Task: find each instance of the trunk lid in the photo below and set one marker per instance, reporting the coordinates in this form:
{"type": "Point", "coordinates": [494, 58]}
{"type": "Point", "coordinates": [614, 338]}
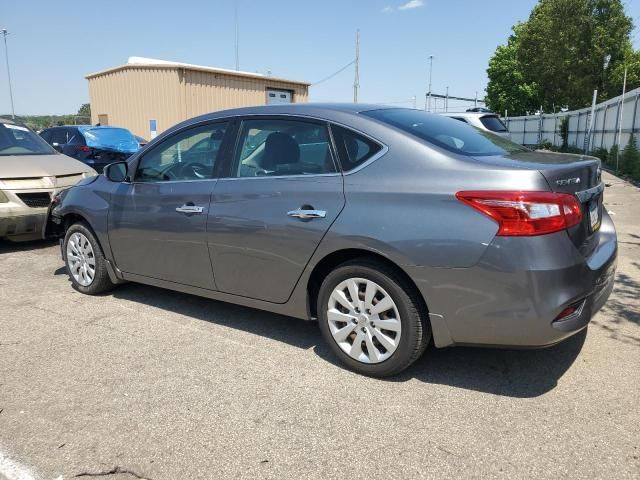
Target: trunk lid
{"type": "Point", "coordinates": [580, 175]}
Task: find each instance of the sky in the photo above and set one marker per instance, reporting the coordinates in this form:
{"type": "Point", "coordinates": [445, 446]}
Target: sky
{"type": "Point", "coordinates": [54, 44]}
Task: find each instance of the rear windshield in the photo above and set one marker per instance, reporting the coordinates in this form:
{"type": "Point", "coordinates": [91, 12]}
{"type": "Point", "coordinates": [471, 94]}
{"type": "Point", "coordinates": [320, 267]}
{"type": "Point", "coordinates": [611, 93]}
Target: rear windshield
{"type": "Point", "coordinates": [19, 140]}
{"type": "Point", "coordinates": [119, 139]}
{"type": "Point", "coordinates": [447, 133]}
{"type": "Point", "coordinates": [493, 123]}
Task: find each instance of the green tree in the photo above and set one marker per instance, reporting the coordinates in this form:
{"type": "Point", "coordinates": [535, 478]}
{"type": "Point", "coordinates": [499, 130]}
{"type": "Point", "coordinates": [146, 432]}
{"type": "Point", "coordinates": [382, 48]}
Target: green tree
{"type": "Point", "coordinates": [631, 158]}
{"type": "Point", "coordinates": [558, 56]}
{"type": "Point", "coordinates": [85, 110]}
{"type": "Point", "coordinates": [507, 88]}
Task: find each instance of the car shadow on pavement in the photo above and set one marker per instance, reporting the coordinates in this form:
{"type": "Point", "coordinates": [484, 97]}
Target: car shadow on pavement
{"type": "Point", "coordinates": [623, 301]}
{"type": "Point", "coordinates": [513, 373]}
{"type": "Point", "coordinates": [13, 247]}
{"type": "Point", "coordinates": [506, 372]}
{"type": "Point", "coordinates": [292, 331]}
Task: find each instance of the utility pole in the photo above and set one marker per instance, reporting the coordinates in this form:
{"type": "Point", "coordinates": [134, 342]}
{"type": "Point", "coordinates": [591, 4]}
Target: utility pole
{"type": "Point", "coordinates": [587, 137]}
{"type": "Point", "coordinates": [356, 80]}
{"type": "Point", "coordinates": [446, 101]}
{"type": "Point", "coordinates": [4, 33]}
{"type": "Point", "coordinates": [427, 105]}
{"type": "Point", "coordinates": [621, 109]}
{"type": "Point", "coordinates": [237, 37]}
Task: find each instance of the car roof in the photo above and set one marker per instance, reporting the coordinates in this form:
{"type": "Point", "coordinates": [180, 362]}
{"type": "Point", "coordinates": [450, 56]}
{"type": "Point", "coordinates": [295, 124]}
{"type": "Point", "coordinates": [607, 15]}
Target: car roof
{"type": "Point", "coordinates": [86, 127]}
{"type": "Point", "coordinates": [11, 121]}
{"type": "Point", "coordinates": [325, 111]}
{"type": "Point", "coordinates": [468, 114]}
{"type": "Point", "coordinates": [308, 109]}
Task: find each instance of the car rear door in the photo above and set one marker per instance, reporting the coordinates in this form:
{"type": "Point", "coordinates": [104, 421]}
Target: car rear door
{"type": "Point", "coordinates": [282, 193]}
{"type": "Point", "coordinates": [157, 222]}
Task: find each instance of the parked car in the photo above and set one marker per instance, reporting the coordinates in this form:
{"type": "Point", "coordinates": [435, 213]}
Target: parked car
{"type": "Point", "coordinates": [489, 122]}
{"type": "Point", "coordinates": [390, 226]}
{"type": "Point", "coordinates": [141, 141]}
{"type": "Point", "coordinates": [31, 172]}
{"type": "Point", "coordinates": [96, 146]}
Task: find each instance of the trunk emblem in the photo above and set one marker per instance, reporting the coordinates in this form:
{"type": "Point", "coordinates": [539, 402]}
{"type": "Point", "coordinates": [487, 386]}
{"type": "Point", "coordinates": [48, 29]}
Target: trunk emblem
{"type": "Point", "coordinates": [568, 181]}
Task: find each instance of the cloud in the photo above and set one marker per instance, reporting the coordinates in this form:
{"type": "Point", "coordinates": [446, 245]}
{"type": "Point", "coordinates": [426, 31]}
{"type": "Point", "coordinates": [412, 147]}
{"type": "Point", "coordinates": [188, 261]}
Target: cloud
{"type": "Point", "coordinates": [387, 9]}
{"type": "Point", "coordinates": [411, 4]}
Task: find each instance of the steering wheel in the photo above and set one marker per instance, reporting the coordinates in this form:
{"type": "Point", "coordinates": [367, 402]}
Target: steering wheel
{"type": "Point", "coordinates": [195, 169]}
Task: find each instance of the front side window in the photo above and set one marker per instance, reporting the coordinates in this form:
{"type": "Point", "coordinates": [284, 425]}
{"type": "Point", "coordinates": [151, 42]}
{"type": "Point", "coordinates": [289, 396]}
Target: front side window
{"type": "Point", "coordinates": [190, 155]}
{"type": "Point", "coordinates": [60, 136]}
{"type": "Point", "coordinates": [354, 148]}
{"type": "Point", "coordinates": [283, 147]}
{"type": "Point", "coordinates": [445, 132]}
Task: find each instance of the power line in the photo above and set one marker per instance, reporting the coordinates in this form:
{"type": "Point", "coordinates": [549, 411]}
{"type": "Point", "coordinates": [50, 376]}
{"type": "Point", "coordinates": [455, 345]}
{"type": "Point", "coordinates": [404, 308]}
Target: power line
{"type": "Point", "coordinates": [334, 74]}
{"type": "Point", "coordinates": [356, 80]}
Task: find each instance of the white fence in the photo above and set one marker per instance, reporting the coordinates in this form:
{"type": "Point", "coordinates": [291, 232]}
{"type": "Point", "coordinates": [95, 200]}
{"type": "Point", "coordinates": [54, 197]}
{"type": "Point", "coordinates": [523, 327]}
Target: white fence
{"type": "Point", "coordinates": [535, 129]}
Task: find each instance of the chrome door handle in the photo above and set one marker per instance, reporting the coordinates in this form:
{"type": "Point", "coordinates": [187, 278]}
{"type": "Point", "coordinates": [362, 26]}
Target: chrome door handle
{"type": "Point", "coordinates": [307, 214]}
{"type": "Point", "coordinates": [190, 209]}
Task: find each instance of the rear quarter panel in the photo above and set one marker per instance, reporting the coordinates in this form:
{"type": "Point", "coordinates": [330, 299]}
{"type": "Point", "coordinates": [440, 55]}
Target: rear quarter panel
{"type": "Point", "coordinates": [403, 205]}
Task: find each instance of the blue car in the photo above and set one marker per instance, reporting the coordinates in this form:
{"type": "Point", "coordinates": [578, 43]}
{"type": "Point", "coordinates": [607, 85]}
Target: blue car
{"type": "Point", "coordinates": [97, 146]}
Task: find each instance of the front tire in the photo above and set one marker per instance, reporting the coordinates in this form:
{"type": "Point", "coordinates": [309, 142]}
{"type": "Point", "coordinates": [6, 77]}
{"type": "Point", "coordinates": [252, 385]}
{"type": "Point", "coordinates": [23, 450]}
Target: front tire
{"type": "Point", "coordinates": [372, 318]}
{"type": "Point", "coordinates": [85, 261]}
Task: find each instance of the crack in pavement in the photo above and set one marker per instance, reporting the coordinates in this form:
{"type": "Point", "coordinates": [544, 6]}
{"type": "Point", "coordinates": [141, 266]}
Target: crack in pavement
{"type": "Point", "coordinates": [114, 471]}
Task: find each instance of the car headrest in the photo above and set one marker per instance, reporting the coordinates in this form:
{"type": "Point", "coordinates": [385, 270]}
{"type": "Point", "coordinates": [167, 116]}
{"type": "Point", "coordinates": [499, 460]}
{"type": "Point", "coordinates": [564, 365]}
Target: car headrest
{"type": "Point", "coordinates": [351, 145]}
{"type": "Point", "coordinates": [280, 149]}
{"type": "Point", "coordinates": [217, 135]}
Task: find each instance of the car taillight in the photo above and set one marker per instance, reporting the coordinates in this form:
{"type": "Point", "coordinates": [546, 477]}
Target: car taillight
{"type": "Point", "coordinates": [84, 148]}
{"type": "Point", "coordinates": [525, 213]}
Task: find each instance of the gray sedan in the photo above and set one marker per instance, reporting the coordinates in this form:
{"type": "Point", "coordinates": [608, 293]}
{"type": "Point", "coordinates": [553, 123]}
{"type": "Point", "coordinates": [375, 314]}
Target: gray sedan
{"type": "Point", "coordinates": [392, 227]}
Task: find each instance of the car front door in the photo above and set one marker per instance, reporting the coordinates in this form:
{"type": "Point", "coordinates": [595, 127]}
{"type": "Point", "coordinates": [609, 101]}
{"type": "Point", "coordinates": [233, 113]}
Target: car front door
{"type": "Point", "coordinates": [282, 194]}
{"type": "Point", "coordinates": [157, 222]}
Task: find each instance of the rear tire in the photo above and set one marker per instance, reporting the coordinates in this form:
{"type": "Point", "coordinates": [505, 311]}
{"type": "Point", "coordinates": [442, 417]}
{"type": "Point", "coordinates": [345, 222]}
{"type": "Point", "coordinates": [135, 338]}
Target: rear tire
{"type": "Point", "coordinates": [385, 330]}
{"type": "Point", "coordinates": [84, 260]}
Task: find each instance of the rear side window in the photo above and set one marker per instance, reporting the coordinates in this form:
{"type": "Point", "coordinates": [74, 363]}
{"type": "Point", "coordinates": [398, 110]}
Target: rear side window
{"type": "Point", "coordinates": [46, 134]}
{"type": "Point", "coordinates": [59, 136]}
{"type": "Point", "coordinates": [446, 133]}
{"type": "Point", "coordinates": [353, 148]}
{"type": "Point", "coordinates": [493, 123]}
{"type": "Point", "coordinates": [275, 147]}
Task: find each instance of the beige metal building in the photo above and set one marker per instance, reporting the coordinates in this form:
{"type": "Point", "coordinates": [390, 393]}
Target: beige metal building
{"type": "Point", "coordinates": [148, 96]}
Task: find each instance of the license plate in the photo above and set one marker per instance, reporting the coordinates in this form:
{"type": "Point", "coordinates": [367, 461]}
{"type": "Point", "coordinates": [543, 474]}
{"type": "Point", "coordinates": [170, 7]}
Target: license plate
{"type": "Point", "coordinates": [594, 215]}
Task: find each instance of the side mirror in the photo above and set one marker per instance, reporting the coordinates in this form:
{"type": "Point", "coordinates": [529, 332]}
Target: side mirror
{"type": "Point", "coordinates": [56, 146]}
{"type": "Point", "coordinates": [116, 172]}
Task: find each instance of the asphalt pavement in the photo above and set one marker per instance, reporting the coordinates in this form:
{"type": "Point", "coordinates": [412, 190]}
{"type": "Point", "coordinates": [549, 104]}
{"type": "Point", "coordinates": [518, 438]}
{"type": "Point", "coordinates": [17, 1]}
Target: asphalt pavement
{"type": "Point", "coordinates": [148, 383]}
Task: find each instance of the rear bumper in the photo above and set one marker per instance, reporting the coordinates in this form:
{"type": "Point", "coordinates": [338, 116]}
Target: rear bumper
{"type": "Point", "coordinates": [517, 290]}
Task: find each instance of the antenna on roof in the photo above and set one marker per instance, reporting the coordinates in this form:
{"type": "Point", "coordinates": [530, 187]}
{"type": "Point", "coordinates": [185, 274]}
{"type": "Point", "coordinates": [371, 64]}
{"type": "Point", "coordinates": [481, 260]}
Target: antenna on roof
{"type": "Point", "coordinates": [237, 35]}
{"type": "Point", "coordinates": [356, 80]}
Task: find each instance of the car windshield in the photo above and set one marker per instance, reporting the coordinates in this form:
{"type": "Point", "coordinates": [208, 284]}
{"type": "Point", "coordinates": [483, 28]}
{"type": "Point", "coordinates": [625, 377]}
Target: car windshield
{"type": "Point", "coordinates": [119, 139]}
{"type": "Point", "coordinates": [447, 133]}
{"type": "Point", "coordinates": [19, 140]}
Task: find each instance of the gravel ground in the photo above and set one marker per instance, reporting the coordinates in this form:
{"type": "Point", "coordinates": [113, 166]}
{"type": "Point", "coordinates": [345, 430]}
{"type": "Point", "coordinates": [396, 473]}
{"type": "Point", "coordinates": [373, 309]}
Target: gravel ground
{"type": "Point", "coordinates": [144, 382]}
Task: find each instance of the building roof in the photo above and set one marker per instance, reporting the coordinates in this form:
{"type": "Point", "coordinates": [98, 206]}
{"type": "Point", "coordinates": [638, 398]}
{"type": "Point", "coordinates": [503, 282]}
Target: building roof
{"type": "Point", "coordinates": [143, 62]}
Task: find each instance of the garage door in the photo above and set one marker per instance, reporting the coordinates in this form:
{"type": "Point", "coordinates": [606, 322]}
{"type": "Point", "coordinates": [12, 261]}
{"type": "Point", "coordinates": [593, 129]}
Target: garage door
{"type": "Point", "coordinates": [278, 96]}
